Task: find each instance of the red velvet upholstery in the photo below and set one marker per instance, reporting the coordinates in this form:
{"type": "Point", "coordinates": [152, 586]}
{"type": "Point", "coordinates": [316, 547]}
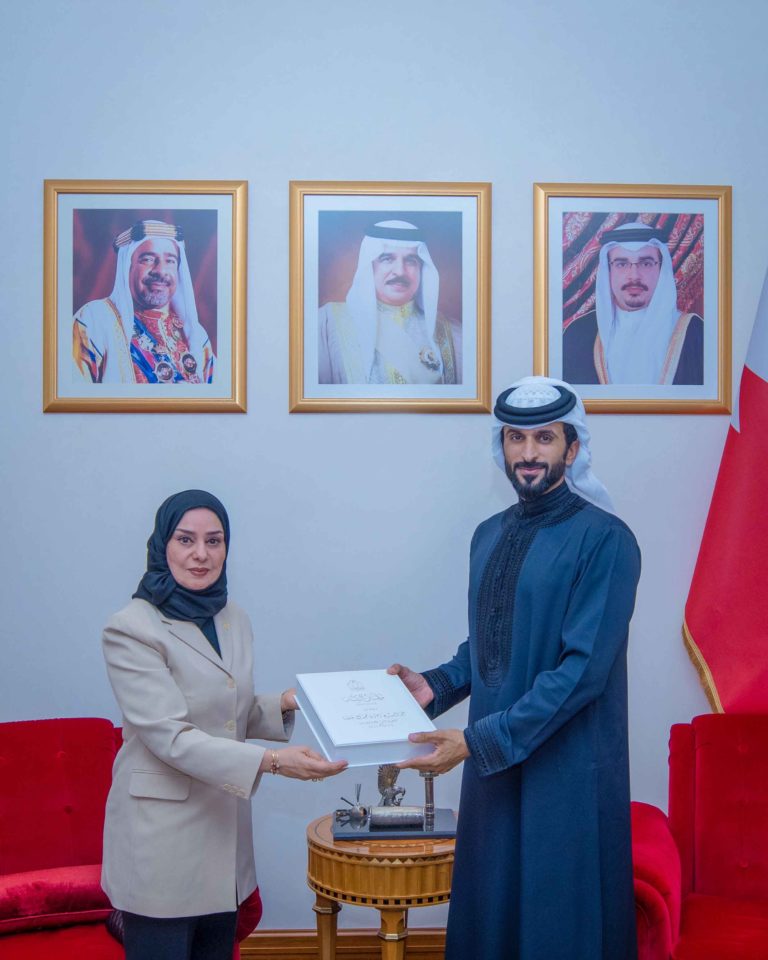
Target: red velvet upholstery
{"type": "Point", "coordinates": [55, 776]}
{"type": "Point", "coordinates": [54, 780]}
{"type": "Point", "coordinates": [701, 878]}
{"type": "Point", "coordinates": [721, 928]}
{"type": "Point", "coordinates": [731, 807]}
{"type": "Point", "coordinates": [249, 915]}
{"type": "Point", "coordinates": [657, 879]}
{"type": "Point", "coordinates": [653, 936]}
{"type": "Point", "coordinates": [682, 783]}
{"type": "Point", "coordinates": [50, 898]}
{"type": "Point", "coordinates": [89, 942]}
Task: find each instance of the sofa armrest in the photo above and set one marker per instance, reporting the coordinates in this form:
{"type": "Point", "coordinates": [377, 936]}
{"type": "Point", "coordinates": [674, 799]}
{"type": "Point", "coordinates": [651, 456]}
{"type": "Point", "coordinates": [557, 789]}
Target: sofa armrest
{"type": "Point", "coordinates": [248, 915]}
{"type": "Point", "coordinates": [654, 936]}
{"type": "Point", "coordinates": [657, 874]}
{"type": "Point", "coordinates": [60, 896]}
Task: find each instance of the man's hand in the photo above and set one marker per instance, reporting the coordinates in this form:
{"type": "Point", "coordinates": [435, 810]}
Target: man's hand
{"type": "Point", "coordinates": [450, 749]}
{"type": "Point", "coordinates": [421, 690]}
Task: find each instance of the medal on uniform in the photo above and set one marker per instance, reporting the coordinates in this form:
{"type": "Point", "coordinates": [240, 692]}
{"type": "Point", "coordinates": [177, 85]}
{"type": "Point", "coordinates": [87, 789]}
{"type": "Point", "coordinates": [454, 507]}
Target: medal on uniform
{"type": "Point", "coordinates": [429, 358]}
{"type": "Point", "coordinates": [164, 372]}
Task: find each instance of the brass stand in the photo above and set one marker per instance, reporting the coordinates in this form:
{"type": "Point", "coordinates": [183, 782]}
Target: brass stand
{"type": "Point", "coordinates": [391, 875]}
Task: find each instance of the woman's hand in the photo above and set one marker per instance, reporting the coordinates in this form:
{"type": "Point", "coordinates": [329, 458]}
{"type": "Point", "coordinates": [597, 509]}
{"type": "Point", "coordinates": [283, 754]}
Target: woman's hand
{"type": "Point", "coordinates": [288, 700]}
{"type": "Point", "coordinates": [421, 690]}
{"type": "Point", "coordinates": [300, 763]}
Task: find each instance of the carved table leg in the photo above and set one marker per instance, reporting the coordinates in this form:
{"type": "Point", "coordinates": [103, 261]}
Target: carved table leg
{"type": "Point", "coordinates": [394, 930]}
{"type": "Point", "coordinates": [326, 911]}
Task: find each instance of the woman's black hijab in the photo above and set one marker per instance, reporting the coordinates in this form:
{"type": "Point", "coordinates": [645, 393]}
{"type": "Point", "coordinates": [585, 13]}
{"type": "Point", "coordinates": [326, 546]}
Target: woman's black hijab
{"type": "Point", "coordinates": [158, 585]}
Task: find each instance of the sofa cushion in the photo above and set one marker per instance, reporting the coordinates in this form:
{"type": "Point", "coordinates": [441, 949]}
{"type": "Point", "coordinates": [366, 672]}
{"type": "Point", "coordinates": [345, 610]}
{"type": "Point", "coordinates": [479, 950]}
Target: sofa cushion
{"type": "Point", "coordinates": [48, 898]}
{"type": "Point", "coordinates": [86, 942]}
{"type": "Point", "coordinates": [722, 928]}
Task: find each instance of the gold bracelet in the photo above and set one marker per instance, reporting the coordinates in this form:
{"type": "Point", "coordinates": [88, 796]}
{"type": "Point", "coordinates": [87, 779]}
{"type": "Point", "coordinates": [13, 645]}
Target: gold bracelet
{"type": "Point", "coordinates": [274, 767]}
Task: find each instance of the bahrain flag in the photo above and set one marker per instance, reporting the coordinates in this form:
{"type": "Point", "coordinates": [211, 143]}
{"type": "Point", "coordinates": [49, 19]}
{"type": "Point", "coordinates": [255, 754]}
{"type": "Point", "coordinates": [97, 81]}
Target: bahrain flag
{"type": "Point", "coordinates": [726, 616]}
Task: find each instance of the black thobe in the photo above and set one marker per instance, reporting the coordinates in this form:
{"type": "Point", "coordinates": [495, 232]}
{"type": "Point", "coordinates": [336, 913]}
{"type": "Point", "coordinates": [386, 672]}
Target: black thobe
{"type": "Point", "coordinates": [543, 866]}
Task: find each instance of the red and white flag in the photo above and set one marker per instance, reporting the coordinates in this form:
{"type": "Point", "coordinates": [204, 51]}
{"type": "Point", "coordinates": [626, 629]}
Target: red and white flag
{"type": "Point", "coordinates": [726, 616]}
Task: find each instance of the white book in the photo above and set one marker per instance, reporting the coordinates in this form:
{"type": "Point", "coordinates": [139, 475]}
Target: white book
{"type": "Point", "coordinates": [363, 716]}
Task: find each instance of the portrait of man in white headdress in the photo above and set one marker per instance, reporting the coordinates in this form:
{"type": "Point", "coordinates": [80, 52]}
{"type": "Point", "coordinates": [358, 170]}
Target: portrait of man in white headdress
{"type": "Point", "coordinates": [388, 328]}
{"type": "Point", "coordinates": [147, 329]}
{"type": "Point", "coordinates": [638, 331]}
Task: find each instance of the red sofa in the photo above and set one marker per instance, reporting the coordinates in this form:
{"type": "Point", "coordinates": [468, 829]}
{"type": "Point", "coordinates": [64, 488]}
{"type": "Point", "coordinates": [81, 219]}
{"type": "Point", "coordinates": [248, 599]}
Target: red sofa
{"type": "Point", "coordinates": [54, 779]}
{"type": "Point", "coordinates": [701, 874]}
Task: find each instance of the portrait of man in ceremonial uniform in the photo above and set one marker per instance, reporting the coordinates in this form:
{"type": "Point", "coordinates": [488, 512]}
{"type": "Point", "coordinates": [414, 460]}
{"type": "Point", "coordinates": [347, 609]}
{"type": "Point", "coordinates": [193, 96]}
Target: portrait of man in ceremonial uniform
{"type": "Point", "coordinates": [389, 297]}
{"type": "Point", "coordinates": [144, 296]}
{"type": "Point", "coordinates": [633, 298]}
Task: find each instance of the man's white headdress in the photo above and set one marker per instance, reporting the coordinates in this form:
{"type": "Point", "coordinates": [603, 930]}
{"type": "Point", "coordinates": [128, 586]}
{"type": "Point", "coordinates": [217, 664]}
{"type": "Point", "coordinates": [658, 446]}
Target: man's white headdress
{"type": "Point", "coordinates": [361, 298]}
{"type": "Point", "coordinates": [635, 343]}
{"type": "Point", "coordinates": [183, 300]}
{"type": "Point", "coordinates": [537, 401]}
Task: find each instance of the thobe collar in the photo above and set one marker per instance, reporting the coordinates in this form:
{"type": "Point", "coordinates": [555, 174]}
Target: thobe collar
{"type": "Point", "coordinates": [550, 503]}
{"type": "Point", "coordinates": [399, 315]}
{"type": "Point", "coordinates": [154, 314]}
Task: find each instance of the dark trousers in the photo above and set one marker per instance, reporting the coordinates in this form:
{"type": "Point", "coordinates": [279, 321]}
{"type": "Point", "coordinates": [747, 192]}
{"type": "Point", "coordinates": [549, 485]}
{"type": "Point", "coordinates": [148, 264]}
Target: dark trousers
{"type": "Point", "coordinates": [210, 937]}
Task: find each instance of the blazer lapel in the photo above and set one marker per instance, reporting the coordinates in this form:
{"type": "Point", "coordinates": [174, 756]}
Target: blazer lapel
{"type": "Point", "coordinates": [223, 625]}
{"type": "Point", "coordinates": [194, 637]}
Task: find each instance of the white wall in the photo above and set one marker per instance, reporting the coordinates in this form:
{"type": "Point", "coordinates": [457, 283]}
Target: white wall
{"type": "Point", "coordinates": [350, 531]}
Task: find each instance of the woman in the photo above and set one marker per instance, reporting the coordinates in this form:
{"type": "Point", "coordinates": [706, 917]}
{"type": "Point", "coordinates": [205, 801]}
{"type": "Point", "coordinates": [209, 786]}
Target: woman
{"type": "Point", "coordinates": [178, 848]}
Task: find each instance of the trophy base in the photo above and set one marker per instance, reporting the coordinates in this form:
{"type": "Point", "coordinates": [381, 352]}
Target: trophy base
{"type": "Point", "coordinates": [444, 828]}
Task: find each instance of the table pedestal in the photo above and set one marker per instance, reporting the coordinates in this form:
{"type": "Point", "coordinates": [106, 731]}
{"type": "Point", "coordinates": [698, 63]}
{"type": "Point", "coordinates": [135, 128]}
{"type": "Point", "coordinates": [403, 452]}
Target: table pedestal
{"type": "Point", "coordinates": [391, 875]}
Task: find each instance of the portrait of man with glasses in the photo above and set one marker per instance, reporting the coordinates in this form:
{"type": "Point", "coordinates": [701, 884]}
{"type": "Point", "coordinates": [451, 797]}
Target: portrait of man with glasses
{"type": "Point", "coordinates": [636, 332]}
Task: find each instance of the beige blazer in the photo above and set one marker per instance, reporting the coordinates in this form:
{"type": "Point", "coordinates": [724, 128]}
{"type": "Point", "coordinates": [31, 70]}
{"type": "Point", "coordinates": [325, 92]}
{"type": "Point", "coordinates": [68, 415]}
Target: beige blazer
{"type": "Point", "coordinates": [177, 834]}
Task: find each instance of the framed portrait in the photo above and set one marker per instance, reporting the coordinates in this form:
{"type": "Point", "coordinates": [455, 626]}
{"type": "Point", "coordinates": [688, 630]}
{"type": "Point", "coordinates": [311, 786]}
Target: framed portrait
{"type": "Point", "coordinates": [632, 294]}
{"type": "Point", "coordinates": [390, 297]}
{"type": "Point", "coordinates": [144, 296]}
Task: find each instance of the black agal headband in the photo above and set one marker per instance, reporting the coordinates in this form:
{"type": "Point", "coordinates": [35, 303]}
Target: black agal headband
{"type": "Point", "coordinates": [147, 228]}
{"type": "Point", "coordinates": [395, 233]}
{"type": "Point", "coordinates": [632, 235]}
{"type": "Point", "coordinates": [533, 416]}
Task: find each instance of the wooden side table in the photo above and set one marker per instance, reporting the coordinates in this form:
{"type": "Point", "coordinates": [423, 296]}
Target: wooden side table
{"type": "Point", "coordinates": [391, 875]}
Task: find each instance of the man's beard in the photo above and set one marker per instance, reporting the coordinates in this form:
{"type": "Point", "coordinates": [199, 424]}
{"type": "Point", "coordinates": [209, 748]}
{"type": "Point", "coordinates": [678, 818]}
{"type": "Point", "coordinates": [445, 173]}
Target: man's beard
{"type": "Point", "coordinates": [636, 294]}
{"type": "Point", "coordinates": [155, 298]}
{"type": "Point", "coordinates": [533, 489]}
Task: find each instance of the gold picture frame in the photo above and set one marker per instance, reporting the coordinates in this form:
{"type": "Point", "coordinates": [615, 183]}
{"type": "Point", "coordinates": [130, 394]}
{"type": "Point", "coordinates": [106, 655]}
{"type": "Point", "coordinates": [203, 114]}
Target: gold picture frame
{"type": "Point", "coordinates": [694, 224]}
{"type": "Point", "coordinates": [329, 222]}
{"type": "Point", "coordinates": [92, 363]}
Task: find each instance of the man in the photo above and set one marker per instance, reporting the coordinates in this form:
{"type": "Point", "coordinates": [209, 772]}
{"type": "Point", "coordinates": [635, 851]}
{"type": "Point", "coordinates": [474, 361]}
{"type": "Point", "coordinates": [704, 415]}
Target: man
{"type": "Point", "coordinates": [389, 330]}
{"type": "Point", "coordinates": [543, 867]}
{"type": "Point", "coordinates": [635, 334]}
{"type": "Point", "coordinates": [147, 330]}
